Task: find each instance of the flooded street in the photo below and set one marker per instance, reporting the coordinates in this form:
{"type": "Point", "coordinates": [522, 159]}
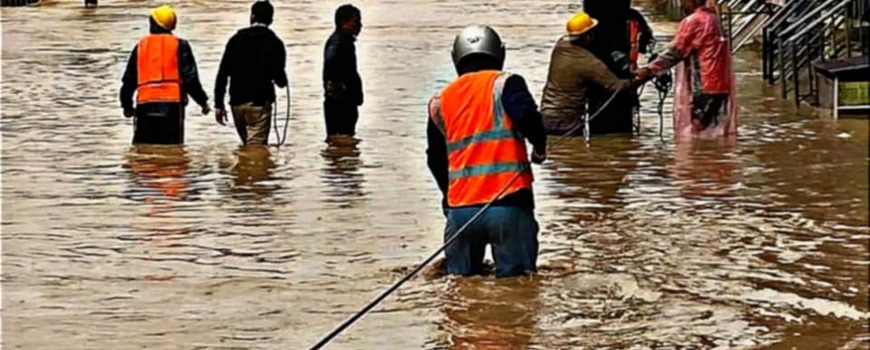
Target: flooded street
{"type": "Point", "coordinates": [761, 243]}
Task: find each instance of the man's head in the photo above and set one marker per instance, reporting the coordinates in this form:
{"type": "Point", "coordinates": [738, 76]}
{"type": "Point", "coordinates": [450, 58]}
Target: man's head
{"type": "Point", "coordinates": [607, 11]}
{"type": "Point", "coordinates": [689, 6]}
{"type": "Point", "coordinates": [348, 20]}
{"type": "Point", "coordinates": [580, 29]}
{"type": "Point", "coordinates": [162, 20]}
{"type": "Point", "coordinates": [262, 12]}
{"type": "Point", "coordinates": [477, 48]}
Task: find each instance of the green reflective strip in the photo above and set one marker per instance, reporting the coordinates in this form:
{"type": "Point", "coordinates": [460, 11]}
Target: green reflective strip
{"type": "Point", "coordinates": [490, 169]}
{"type": "Point", "coordinates": [481, 137]}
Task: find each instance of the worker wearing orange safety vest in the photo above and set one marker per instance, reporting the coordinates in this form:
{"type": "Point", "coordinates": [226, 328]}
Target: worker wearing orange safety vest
{"type": "Point", "coordinates": [161, 71]}
{"type": "Point", "coordinates": [476, 134]}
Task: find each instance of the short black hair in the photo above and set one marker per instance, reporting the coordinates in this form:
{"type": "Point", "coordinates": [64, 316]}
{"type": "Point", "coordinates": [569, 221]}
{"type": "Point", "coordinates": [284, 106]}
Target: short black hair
{"type": "Point", "coordinates": [263, 11]}
{"type": "Point", "coordinates": [345, 13]}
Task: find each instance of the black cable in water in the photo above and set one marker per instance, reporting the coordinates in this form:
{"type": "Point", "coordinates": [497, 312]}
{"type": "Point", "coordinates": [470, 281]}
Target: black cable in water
{"type": "Point", "coordinates": [362, 312]}
{"type": "Point", "coordinates": [662, 84]}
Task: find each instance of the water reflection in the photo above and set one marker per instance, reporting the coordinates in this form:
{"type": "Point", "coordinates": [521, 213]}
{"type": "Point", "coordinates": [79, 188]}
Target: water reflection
{"type": "Point", "coordinates": [159, 177]}
{"type": "Point", "coordinates": [251, 168]}
{"type": "Point", "coordinates": [706, 169]}
{"type": "Point", "coordinates": [158, 173]}
{"type": "Point", "coordinates": [592, 175]}
{"type": "Point", "coordinates": [483, 313]}
{"type": "Point", "coordinates": [342, 171]}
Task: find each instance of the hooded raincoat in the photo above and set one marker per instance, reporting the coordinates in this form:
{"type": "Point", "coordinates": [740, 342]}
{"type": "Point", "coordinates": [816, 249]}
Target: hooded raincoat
{"type": "Point", "coordinates": [705, 101]}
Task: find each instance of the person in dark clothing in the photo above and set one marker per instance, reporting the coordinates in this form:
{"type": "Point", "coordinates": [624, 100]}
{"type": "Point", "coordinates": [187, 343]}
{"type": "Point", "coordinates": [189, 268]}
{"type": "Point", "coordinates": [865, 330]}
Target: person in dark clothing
{"type": "Point", "coordinates": [486, 144]}
{"type": "Point", "coordinates": [161, 83]}
{"type": "Point", "coordinates": [612, 46]}
{"type": "Point", "coordinates": [253, 60]}
{"type": "Point", "coordinates": [343, 91]}
{"type": "Point", "coordinates": [573, 72]}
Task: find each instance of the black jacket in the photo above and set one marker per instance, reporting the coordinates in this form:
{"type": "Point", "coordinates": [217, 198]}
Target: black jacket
{"type": "Point", "coordinates": [189, 77]}
{"type": "Point", "coordinates": [519, 105]}
{"type": "Point", "coordinates": [341, 81]}
{"type": "Point", "coordinates": [254, 59]}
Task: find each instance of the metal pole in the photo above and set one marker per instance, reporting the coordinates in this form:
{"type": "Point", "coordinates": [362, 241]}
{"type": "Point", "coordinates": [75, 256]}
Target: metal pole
{"type": "Point", "coordinates": [862, 32]}
{"type": "Point", "coordinates": [836, 97]}
{"type": "Point", "coordinates": [848, 23]}
{"type": "Point", "coordinates": [832, 27]}
{"type": "Point", "coordinates": [795, 73]}
{"type": "Point", "coordinates": [730, 30]}
{"type": "Point", "coordinates": [782, 75]}
{"type": "Point", "coordinates": [765, 55]}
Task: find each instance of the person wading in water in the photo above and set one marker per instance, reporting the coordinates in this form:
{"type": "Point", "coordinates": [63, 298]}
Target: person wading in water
{"type": "Point", "coordinates": [476, 134]}
{"type": "Point", "coordinates": [161, 72]}
{"type": "Point", "coordinates": [254, 60]}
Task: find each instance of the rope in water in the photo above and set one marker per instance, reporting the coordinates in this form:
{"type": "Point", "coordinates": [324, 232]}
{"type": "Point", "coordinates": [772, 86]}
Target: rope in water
{"type": "Point", "coordinates": [281, 138]}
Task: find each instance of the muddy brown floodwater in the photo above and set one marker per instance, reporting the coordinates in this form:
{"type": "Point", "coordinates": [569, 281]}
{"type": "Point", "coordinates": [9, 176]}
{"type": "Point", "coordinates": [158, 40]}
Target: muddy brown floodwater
{"type": "Point", "coordinates": [760, 243]}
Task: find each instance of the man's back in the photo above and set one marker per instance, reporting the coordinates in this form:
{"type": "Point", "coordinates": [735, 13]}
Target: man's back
{"type": "Point", "coordinates": [469, 101]}
{"type": "Point", "coordinates": [340, 67]}
{"type": "Point", "coordinates": [573, 70]}
{"type": "Point", "coordinates": [710, 43]}
{"type": "Point", "coordinates": [484, 148]}
{"type": "Point", "coordinates": [254, 59]}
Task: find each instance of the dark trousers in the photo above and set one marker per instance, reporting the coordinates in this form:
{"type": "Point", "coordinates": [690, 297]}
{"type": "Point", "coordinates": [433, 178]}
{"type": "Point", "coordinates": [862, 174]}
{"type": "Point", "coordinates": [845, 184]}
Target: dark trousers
{"type": "Point", "coordinates": [616, 118]}
{"type": "Point", "coordinates": [708, 108]}
{"type": "Point", "coordinates": [159, 126]}
{"type": "Point", "coordinates": [341, 117]}
{"type": "Point", "coordinates": [512, 232]}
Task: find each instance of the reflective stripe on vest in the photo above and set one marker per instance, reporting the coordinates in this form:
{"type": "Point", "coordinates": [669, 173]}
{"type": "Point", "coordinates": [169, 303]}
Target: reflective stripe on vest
{"type": "Point", "coordinates": [157, 69]}
{"type": "Point", "coordinates": [484, 151]}
{"type": "Point", "coordinates": [634, 38]}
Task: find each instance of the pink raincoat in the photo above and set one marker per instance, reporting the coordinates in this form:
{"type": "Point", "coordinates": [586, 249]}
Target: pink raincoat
{"type": "Point", "coordinates": [702, 55]}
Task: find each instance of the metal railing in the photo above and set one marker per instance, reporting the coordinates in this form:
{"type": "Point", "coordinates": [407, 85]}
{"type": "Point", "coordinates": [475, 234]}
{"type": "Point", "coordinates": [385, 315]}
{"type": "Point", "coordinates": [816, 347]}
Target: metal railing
{"type": "Point", "coordinates": [741, 19]}
{"type": "Point", "coordinates": [825, 33]}
{"type": "Point", "coordinates": [780, 22]}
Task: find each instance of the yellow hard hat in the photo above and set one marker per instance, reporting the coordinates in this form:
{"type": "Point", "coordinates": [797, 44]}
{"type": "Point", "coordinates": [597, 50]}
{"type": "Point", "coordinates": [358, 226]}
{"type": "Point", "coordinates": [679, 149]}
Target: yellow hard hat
{"type": "Point", "coordinates": [580, 23]}
{"type": "Point", "coordinates": [164, 16]}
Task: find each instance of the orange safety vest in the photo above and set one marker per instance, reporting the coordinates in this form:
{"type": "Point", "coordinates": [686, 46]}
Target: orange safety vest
{"type": "Point", "coordinates": [634, 38]}
{"type": "Point", "coordinates": [484, 151]}
{"type": "Point", "coordinates": [157, 69]}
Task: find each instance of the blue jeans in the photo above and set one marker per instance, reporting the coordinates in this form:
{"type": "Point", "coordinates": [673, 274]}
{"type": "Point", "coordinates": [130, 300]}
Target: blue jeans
{"type": "Point", "coordinates": [511, 231]}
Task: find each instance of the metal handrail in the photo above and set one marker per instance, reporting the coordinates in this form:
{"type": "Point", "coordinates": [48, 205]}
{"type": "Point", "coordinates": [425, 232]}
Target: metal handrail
{"type": "Point", "coordinates": [772, 44]}
{"type": "Point", "coordinates": [828, 15]}
{"type": "Point", "coordinates": [753, 30]}
{"type": "Point", "coordinates": [818, 40]}
{"type": "Point", "coordinates": [814, 13]}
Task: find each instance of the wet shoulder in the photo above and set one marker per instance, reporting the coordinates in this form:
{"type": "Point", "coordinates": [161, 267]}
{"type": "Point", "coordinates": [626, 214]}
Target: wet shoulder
{"type": "Point", "coordinates": [566, 49]}
{"type": "Point", "coordinates": [183, 44]}
{"type": "Point", "coordinates": [699, 17]}
{"type": "Point", "coordinates": [335, 39]}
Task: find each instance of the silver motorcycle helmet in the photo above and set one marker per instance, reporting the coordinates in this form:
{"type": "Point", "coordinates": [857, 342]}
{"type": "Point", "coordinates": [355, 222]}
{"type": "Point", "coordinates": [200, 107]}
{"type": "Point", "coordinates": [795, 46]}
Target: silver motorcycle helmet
{"type": "Point", "coordinates": [477, 39]}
